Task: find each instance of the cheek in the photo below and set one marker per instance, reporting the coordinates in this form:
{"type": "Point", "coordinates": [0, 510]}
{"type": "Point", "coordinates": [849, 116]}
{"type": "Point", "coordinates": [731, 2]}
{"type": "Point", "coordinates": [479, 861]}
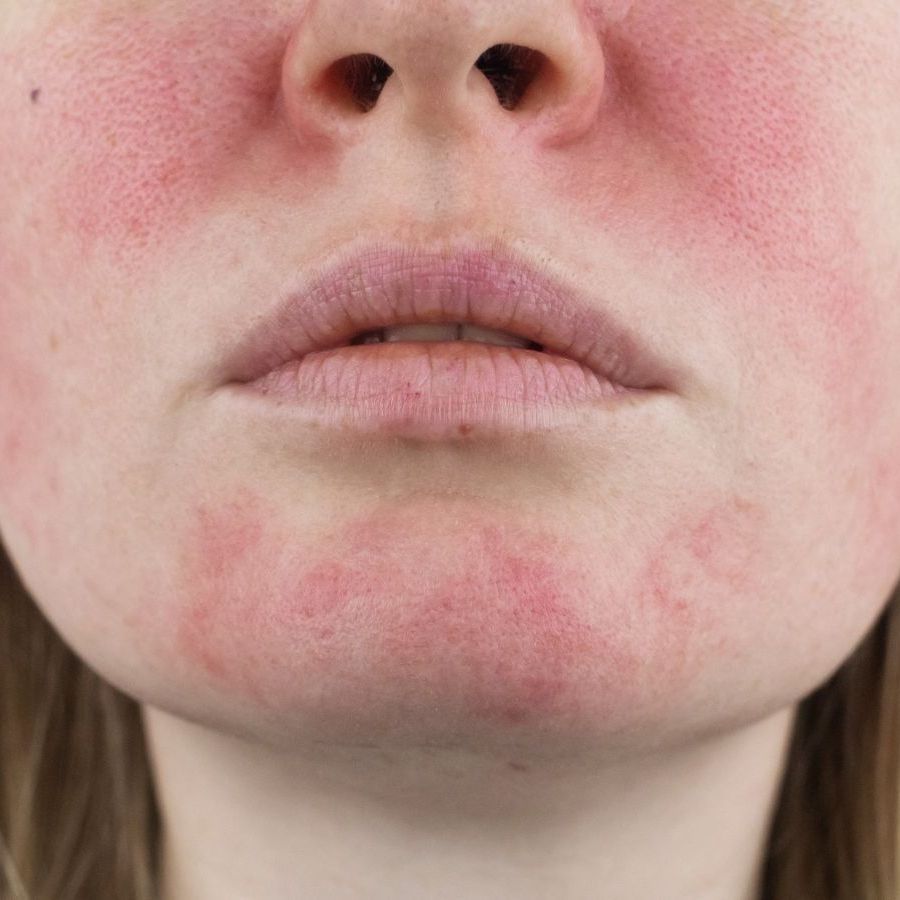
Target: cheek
{"type": "Point", "coordinates": [31, 433]}
{"type": "Point", "coordinates": [752, 177]}
{"type": "Point", "coordinates": [756, 167]}
{"type": "Point", "coordinates": [144, 122]}
{"type": "Point", "coordinates": [24, 436]}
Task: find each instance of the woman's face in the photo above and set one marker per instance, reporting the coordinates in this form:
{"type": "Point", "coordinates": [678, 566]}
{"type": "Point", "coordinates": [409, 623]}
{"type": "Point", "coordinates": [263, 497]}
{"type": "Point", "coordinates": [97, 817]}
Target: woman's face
{"type": "Point", "coordinates": [732, 191]}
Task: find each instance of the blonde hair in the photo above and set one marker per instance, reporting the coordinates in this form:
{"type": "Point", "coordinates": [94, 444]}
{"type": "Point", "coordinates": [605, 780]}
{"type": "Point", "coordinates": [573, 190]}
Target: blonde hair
{"type": "Point", "coordinates": [78, 816]}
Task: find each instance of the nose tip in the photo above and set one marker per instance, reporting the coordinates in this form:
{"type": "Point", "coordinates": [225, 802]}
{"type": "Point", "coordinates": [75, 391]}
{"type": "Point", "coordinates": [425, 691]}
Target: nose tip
{"type": "Point", "coordinates": [460, 66]}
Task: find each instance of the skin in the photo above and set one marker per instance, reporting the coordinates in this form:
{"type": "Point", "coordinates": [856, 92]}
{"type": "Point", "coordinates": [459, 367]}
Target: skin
{"type": "Point", "coordinates": [487, 668]}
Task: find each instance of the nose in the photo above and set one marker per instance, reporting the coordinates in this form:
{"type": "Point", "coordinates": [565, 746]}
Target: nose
{"type": "Point", "coordinates": [451, 68]}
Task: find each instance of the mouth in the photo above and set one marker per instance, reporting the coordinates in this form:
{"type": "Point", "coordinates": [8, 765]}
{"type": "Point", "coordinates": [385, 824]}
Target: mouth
{"type": "Point", "coordinates": [444, 332]}
{"type": "Point", "coordinates": [389, 293]}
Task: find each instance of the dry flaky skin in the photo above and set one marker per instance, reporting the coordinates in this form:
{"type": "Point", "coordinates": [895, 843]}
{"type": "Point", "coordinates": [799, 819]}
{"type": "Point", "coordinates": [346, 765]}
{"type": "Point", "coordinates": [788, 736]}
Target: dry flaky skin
{"type": "Point", "coordinates": [723, 173]}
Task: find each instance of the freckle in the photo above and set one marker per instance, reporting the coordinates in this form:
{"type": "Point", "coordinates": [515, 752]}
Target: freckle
{"type": "Point", "coordinates": [519, 767]}
{"type": "Point", "coordinates": [35, 94]}
{"type": "Point", "coordinates": [54, 343]}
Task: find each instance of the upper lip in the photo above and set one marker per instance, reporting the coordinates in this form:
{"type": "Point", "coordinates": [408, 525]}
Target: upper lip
{"type": "Point", "coordinates": [385, 284]}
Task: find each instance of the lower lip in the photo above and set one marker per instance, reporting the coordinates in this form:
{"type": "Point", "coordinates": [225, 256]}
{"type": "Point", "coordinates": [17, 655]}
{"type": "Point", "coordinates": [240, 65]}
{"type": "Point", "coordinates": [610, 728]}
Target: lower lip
{"type": "Point", "coordinates": [439, 390]}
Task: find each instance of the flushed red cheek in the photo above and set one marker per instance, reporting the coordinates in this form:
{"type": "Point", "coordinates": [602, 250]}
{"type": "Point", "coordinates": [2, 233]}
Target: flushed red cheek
{"type": "Point", "coordinates": [752, 172]}
{"type": "Point", "coordinates": [149, 124]}
{"type": "Point", "coordinates": [438, 615]}
{"type": "Point", "coordinates": [756, 176]}
{"type": "Point", "coordinates": [144, 123]}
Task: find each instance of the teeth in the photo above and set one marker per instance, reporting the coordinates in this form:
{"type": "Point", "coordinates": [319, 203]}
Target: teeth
{"type": "Point", "coordinates": [420, 333]}
{"type": "Point", "coordinates": [461, 332]}
{"type": "Point", "coordinates": [491, 336]}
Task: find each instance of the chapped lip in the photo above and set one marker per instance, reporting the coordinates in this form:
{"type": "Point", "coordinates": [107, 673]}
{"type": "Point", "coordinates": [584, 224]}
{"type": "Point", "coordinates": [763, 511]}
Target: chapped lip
{"type": "Point", "coordinates": [362, 289]}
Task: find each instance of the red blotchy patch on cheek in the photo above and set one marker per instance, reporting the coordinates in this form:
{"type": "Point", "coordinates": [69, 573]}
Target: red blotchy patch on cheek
{"type": "Point", "coordinates": [743, 117]}
{"type": "Point", "coordinates": [148, 122]}
{"type": "Point", "coordinates": [743, 163]}
{"type": "Point", "coordinates": [705, 564]}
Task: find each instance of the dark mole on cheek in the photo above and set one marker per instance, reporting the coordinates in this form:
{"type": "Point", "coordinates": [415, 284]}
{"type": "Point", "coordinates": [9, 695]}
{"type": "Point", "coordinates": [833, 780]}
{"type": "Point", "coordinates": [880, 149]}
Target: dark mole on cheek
{"type": "Point", "coordinates": [35, 94]}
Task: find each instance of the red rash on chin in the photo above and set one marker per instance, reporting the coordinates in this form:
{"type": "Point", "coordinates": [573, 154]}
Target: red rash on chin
{"type": "Point", "coordinates": [476, 619]}
{"type": "Point", "coordinates": [428, 615]}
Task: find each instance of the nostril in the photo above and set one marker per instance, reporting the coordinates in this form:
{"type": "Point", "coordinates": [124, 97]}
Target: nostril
{"type": "Point", "coordinates": [511, 69]}
{"type": "Point", "coordinates": [361, 78]}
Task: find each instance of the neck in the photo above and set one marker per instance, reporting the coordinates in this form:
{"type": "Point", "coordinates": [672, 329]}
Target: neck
{"type": "Point", "coordinates": [243, 820]}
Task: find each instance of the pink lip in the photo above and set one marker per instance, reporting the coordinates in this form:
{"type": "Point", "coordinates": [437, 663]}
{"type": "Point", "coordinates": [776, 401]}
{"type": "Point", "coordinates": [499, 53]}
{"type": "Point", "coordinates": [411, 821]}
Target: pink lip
{"type": "Point", "coordinates": [300, 355]}
{"type": "Point", "coordinates": [389, 284]}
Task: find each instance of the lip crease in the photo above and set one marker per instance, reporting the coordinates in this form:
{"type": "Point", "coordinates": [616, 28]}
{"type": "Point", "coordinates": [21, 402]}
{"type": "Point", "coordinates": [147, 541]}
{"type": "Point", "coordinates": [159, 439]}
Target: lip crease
{"type": "Point", "coordinates": [384, 284]}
